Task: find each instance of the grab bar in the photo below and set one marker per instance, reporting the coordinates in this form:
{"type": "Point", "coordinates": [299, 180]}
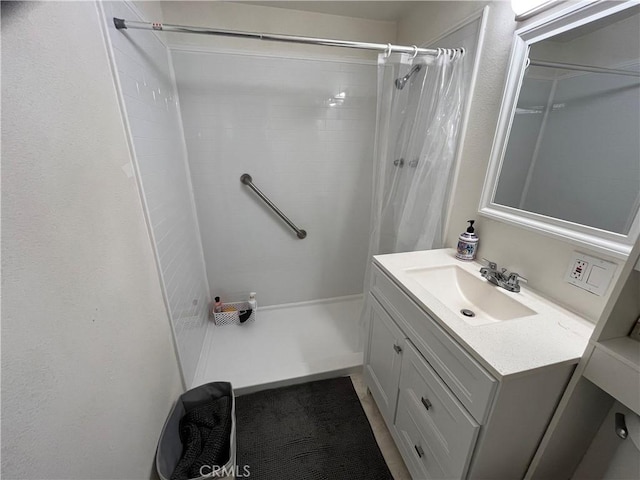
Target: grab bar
{"type": "Point", "coordinates": [248, 181]}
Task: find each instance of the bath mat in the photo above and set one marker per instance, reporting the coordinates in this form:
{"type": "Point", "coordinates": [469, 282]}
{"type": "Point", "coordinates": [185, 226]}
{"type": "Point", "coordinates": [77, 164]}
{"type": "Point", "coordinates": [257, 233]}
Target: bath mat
{"type": "Point", "coordinates": [313, 431]}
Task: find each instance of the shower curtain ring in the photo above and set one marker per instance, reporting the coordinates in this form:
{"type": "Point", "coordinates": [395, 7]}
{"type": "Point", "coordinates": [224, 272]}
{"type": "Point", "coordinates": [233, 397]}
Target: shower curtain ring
{"type": "Point", "coordinates": [439, 54]}
{"type": "Point", "coordinates": [415, 52]}
{"type": "Point", "coordinates": [387, 52]}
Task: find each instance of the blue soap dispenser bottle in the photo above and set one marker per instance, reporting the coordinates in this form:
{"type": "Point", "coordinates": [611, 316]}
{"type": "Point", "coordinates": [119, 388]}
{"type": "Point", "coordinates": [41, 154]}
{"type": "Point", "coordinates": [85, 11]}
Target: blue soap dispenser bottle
{"type": "Point", "coordinates": [467, 243]}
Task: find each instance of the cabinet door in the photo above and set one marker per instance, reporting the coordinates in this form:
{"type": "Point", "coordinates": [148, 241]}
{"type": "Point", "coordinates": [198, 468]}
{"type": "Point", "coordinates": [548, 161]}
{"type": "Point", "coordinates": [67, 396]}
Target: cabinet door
{"type": "Point", "coordinates": [383, 359]}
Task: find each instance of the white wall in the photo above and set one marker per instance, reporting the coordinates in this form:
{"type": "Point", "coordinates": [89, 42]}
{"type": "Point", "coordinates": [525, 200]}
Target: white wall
{"type": "Point", "coordinates": [543, 260]}
{"type": "Point", "coordinates": [151, 104]}
{"type": "Point", "coordinates": [89, 371]}
{"type": "Point", "coordinates": [271, 117]}
{"type": "Point", "coordinates": [268, 114]}
{"type": "Point", "coordinates": [253, 18]}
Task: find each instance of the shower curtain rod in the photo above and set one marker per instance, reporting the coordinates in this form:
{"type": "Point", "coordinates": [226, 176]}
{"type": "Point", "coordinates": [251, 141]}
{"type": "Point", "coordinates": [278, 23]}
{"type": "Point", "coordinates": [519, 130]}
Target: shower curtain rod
{"type": "Point", "coordinates": [121, 23]}
{"type": "Point", "coordinates": [583, 68]}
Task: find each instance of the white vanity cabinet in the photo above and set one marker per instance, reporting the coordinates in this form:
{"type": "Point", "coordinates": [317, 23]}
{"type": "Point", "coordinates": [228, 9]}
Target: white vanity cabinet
{"type": "Point", "coordinates": [450, 416]}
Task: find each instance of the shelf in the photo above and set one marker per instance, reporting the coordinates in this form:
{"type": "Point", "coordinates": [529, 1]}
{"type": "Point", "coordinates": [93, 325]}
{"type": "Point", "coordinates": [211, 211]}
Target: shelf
{"type": "Point", "coordinates": [614, 366]}
{"type": "Point", "coordinates": [624, 349]}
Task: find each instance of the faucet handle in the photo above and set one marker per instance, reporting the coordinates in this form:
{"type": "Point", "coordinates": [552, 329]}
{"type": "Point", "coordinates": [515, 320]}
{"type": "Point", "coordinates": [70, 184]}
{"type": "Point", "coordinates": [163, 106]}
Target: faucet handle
{"type": "Point", "coordinates": [516, 277]}
{"type": "Point", "coordinates": [490, 264]}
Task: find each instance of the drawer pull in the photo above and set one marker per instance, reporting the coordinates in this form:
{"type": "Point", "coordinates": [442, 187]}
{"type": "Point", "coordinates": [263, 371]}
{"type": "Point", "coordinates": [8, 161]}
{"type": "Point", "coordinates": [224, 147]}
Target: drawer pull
{"type": "Point", "coordinates": [419, 450]}
{"type": "Point", "coordinates": [426, 403]}
{"type": "Point", "coordinates": [397, 348]}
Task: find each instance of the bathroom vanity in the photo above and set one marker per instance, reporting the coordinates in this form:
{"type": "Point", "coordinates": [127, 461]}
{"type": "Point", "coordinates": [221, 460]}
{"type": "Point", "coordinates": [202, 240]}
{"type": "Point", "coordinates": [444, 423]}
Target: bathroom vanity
{"type": "Point", "coordinates": [464, 396]}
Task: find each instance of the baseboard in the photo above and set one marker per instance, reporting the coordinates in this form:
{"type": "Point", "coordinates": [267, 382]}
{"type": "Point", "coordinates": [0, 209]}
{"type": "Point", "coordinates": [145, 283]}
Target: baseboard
{"type": "Point", "coordinates": [313, 302]}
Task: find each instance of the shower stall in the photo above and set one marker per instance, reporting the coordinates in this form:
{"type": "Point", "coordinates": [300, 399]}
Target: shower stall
{"type": "Point", "coordinates": [303, 130]}
{"type": "Point", "coordinates": [303, 127]}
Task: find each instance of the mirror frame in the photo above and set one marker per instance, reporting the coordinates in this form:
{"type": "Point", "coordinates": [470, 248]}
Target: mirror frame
{"type": "Point", "coordinates": [614, 244]}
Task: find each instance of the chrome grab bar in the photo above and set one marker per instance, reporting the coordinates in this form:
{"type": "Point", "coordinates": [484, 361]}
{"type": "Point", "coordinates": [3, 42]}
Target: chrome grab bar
{"type": "Point", "coordinates": [248, 181]}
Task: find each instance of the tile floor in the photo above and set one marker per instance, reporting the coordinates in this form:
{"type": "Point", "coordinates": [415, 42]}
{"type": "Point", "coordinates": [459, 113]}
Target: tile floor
{"type": "Point", "coordinates": [385, 441]}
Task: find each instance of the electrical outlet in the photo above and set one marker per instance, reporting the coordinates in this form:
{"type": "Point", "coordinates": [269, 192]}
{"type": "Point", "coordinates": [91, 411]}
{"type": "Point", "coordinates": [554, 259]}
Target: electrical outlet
{"type": "Point", "coordinates": [590, 273]}
{"type": "Point", "coordinates": [579, 267]}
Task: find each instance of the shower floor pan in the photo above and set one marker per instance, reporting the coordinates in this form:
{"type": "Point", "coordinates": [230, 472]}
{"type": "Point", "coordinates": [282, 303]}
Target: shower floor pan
{"type": "Point", "coordinates": [287, 344]}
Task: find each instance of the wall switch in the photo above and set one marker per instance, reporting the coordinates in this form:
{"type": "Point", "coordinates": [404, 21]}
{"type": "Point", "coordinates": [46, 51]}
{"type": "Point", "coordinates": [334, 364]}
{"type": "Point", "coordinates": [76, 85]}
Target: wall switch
{"type": "Point", "coordinates": [590, 273]}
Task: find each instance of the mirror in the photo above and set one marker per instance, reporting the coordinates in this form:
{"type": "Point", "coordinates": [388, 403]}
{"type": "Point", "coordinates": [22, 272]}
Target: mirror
{"type": "Point", "coordinates": [566, 157]}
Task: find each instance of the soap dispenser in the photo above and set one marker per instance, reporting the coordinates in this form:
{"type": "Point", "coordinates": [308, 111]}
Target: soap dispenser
{"type": "Point", "coordinates": [467, 243]}
{"type": "Point", "coordinates": [253, 305]}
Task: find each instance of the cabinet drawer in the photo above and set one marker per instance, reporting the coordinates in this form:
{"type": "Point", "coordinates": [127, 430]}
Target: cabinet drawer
{"type": "Point", "coordinates": [465, 377]}
{"type": "Point", "coordinates": [444, 424]}
{"type": "Point", "coordinates": [415, 448]}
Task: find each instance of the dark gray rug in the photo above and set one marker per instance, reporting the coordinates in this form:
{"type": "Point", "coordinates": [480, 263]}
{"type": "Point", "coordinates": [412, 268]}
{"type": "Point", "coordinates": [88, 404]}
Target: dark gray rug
{"type": "Point", "coordinates": [313, 431]}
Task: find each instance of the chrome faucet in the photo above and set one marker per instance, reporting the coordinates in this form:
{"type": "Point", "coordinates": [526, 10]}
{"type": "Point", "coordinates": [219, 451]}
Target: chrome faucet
{"type": "Point", "coordinates": [508, 280]}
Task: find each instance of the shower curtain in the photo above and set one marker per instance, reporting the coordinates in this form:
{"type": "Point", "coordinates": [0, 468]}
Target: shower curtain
{"type": "Point", "coordinates": [416, 141]}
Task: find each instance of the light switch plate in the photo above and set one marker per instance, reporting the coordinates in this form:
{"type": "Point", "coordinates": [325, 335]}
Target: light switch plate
{"type": "Point", "coordinates": [590, 273]}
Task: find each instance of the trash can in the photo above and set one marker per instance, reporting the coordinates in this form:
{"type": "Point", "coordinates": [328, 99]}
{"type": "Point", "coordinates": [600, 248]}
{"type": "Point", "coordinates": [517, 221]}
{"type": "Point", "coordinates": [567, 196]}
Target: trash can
{"type": "Point", "coordinates": [197, 403]}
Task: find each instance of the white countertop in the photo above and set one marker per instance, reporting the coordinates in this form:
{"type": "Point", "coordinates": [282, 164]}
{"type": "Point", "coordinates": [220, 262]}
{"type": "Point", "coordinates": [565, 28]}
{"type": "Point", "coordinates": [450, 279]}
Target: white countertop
{"type": "Point", "coordinates": [552, 336]}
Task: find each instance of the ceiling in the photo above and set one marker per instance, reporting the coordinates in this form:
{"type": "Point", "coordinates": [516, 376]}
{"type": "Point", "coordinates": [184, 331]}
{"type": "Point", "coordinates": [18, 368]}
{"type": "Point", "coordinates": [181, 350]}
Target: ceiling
{"type": "Point", "coordinates": [387, 11]}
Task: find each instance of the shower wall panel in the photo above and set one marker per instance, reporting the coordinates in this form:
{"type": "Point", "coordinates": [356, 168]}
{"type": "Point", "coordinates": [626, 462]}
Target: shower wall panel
{"type": "Point", "coordinates": [150, 101]}
{"type": "Point", "coordinates": [304, 130]}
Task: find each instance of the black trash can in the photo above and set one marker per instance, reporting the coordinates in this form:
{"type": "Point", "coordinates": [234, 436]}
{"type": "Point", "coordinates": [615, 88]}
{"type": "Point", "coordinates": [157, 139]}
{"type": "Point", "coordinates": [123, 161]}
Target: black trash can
{"type": "Point", "coordinates": [170, 447]}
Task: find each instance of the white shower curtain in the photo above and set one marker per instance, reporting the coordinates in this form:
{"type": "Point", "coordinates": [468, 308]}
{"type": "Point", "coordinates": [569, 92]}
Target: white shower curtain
{"type": "Point", "coordinates": [416, 140]}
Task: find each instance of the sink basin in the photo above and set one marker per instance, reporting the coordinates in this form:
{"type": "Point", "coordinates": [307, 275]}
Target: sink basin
{"type": "Point", "coordinates": [459, 290]}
